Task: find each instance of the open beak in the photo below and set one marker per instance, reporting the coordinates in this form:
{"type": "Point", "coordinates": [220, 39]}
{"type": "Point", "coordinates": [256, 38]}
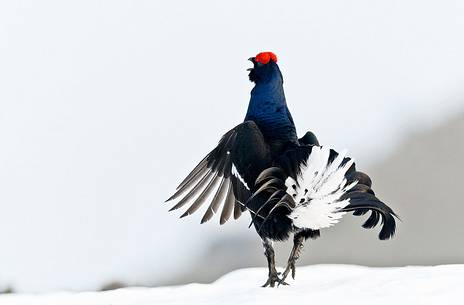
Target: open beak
{"type": "Point", "coordinates": [253, 60]}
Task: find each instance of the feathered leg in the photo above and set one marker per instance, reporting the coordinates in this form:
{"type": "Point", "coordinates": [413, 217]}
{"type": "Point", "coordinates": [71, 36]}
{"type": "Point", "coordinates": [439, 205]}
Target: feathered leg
{"type": "Point", "coordinates": [273, 274]}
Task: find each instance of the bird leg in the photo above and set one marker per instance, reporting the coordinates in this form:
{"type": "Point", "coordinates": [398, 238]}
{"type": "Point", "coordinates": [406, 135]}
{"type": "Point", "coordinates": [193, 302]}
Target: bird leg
{"type": "Point", "coordinates": [298, 240]}
{"type": "Point", "coordinates": [273, 274]}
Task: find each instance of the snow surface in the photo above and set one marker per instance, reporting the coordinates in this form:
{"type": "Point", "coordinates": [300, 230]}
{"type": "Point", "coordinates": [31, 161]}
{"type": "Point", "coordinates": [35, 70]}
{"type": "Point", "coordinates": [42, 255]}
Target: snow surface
{"type": "Point", "coordinates": [318, 284]}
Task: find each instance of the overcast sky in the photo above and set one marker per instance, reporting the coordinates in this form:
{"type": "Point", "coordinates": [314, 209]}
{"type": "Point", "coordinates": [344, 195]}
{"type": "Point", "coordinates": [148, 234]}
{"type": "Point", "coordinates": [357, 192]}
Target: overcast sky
{"type": "Point", "coordinates": [105, 106]}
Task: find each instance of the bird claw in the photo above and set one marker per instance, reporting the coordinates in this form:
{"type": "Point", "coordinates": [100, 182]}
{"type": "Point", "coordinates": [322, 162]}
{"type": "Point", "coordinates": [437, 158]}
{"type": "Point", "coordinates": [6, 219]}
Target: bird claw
{"type": "Point", "coordinates": [290, 267]}
{"type": "Point", "coordinates": [273, 279]}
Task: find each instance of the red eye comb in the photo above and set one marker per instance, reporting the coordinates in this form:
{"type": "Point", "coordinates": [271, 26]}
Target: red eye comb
{"type": "Point", "coordinates": [265, 57]}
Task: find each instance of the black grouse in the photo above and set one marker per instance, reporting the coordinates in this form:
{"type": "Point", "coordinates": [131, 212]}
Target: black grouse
{"type": "Point", "coordinates": [288, 185]}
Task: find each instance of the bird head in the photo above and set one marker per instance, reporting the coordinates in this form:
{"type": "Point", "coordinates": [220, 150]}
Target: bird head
{"type": "Point", "coordinates": [265, 68]}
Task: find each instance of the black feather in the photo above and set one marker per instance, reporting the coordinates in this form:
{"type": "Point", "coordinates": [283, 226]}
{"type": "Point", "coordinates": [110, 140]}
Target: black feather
{"type": "Point", "coordinates": [275, 197]}
{"type": "Point", "coordinates": [216, 168]}
{"type": "Point", "coordinates": [361, 202]}
{"type": "Point", "coordinates": [270, 173]}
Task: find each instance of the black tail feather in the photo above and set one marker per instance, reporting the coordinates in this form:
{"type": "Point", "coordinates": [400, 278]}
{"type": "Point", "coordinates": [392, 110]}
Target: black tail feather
{"type": "Point", "coordinates": [363, 202]}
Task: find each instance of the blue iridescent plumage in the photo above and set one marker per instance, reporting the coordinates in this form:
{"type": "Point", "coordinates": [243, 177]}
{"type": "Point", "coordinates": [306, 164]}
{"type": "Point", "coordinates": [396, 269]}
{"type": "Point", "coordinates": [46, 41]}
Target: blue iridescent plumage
{"type": "Point", "coordinates": [267, 107]}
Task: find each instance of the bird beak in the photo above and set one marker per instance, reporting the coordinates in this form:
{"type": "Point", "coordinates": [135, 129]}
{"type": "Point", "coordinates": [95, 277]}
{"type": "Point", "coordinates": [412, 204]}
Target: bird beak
{"type": "Point", "coordinates": [253, 60]}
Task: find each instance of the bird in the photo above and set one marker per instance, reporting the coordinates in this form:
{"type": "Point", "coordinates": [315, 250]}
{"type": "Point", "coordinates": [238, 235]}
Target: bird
{"type": "Point", "coordinates": [289, 186]}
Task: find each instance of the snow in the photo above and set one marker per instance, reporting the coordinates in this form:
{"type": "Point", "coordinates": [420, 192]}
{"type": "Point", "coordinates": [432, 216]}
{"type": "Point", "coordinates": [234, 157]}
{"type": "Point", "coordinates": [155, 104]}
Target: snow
{"type": "Point", "coordinates": [317, 284]}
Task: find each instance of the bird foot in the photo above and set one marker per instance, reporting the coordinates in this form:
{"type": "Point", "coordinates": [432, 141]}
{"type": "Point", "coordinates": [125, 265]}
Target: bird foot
{"type": "Point", "coordinates": [290, 267]}
{"type": "Point", "coordinates": [273, 279]}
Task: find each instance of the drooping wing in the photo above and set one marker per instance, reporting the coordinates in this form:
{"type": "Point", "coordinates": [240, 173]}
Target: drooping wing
{"type": "Point", "coordinates": [225, 174]}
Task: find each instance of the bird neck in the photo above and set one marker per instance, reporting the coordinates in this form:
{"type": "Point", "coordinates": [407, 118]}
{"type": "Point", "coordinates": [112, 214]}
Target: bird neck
{"type": "Point", "coordinates": [268, 109]}
{"type": "Point", "coordinates": [266, 98]}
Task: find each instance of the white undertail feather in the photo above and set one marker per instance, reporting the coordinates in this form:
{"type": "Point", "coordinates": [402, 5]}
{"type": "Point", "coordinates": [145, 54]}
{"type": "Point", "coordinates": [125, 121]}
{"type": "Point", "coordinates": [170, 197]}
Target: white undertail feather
{"type": "Point", "coordinates": [318, 191]}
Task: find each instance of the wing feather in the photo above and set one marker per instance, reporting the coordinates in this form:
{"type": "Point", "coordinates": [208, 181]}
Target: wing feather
{"type": "Point", "coordinates": [228, 205]}
{"type": "Point", "coordinates": [194, 190]}
{"type": "Point", "coordinates": [237, 209]}
{"type": "Point", "coordinates": [217, 200]}
{"type": "Point", "coordinates": [217, 175]}
{"type": "Point", "coordinates": [194, 173]}
{"type": "Point", "coordinates": [204, 194]}
{"type": "Point", "coordinates": [186, 186]}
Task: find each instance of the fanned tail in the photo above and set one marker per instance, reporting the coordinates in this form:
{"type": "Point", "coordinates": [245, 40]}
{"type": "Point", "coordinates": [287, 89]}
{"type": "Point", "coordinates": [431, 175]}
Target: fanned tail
{"type": "Point", "coordinates": [318, 186]}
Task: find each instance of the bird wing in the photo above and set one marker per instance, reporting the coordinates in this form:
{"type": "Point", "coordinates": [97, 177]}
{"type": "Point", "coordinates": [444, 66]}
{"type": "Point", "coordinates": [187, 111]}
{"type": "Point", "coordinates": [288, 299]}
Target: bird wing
{"type": "Point", "coordinates": [223, 174]}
